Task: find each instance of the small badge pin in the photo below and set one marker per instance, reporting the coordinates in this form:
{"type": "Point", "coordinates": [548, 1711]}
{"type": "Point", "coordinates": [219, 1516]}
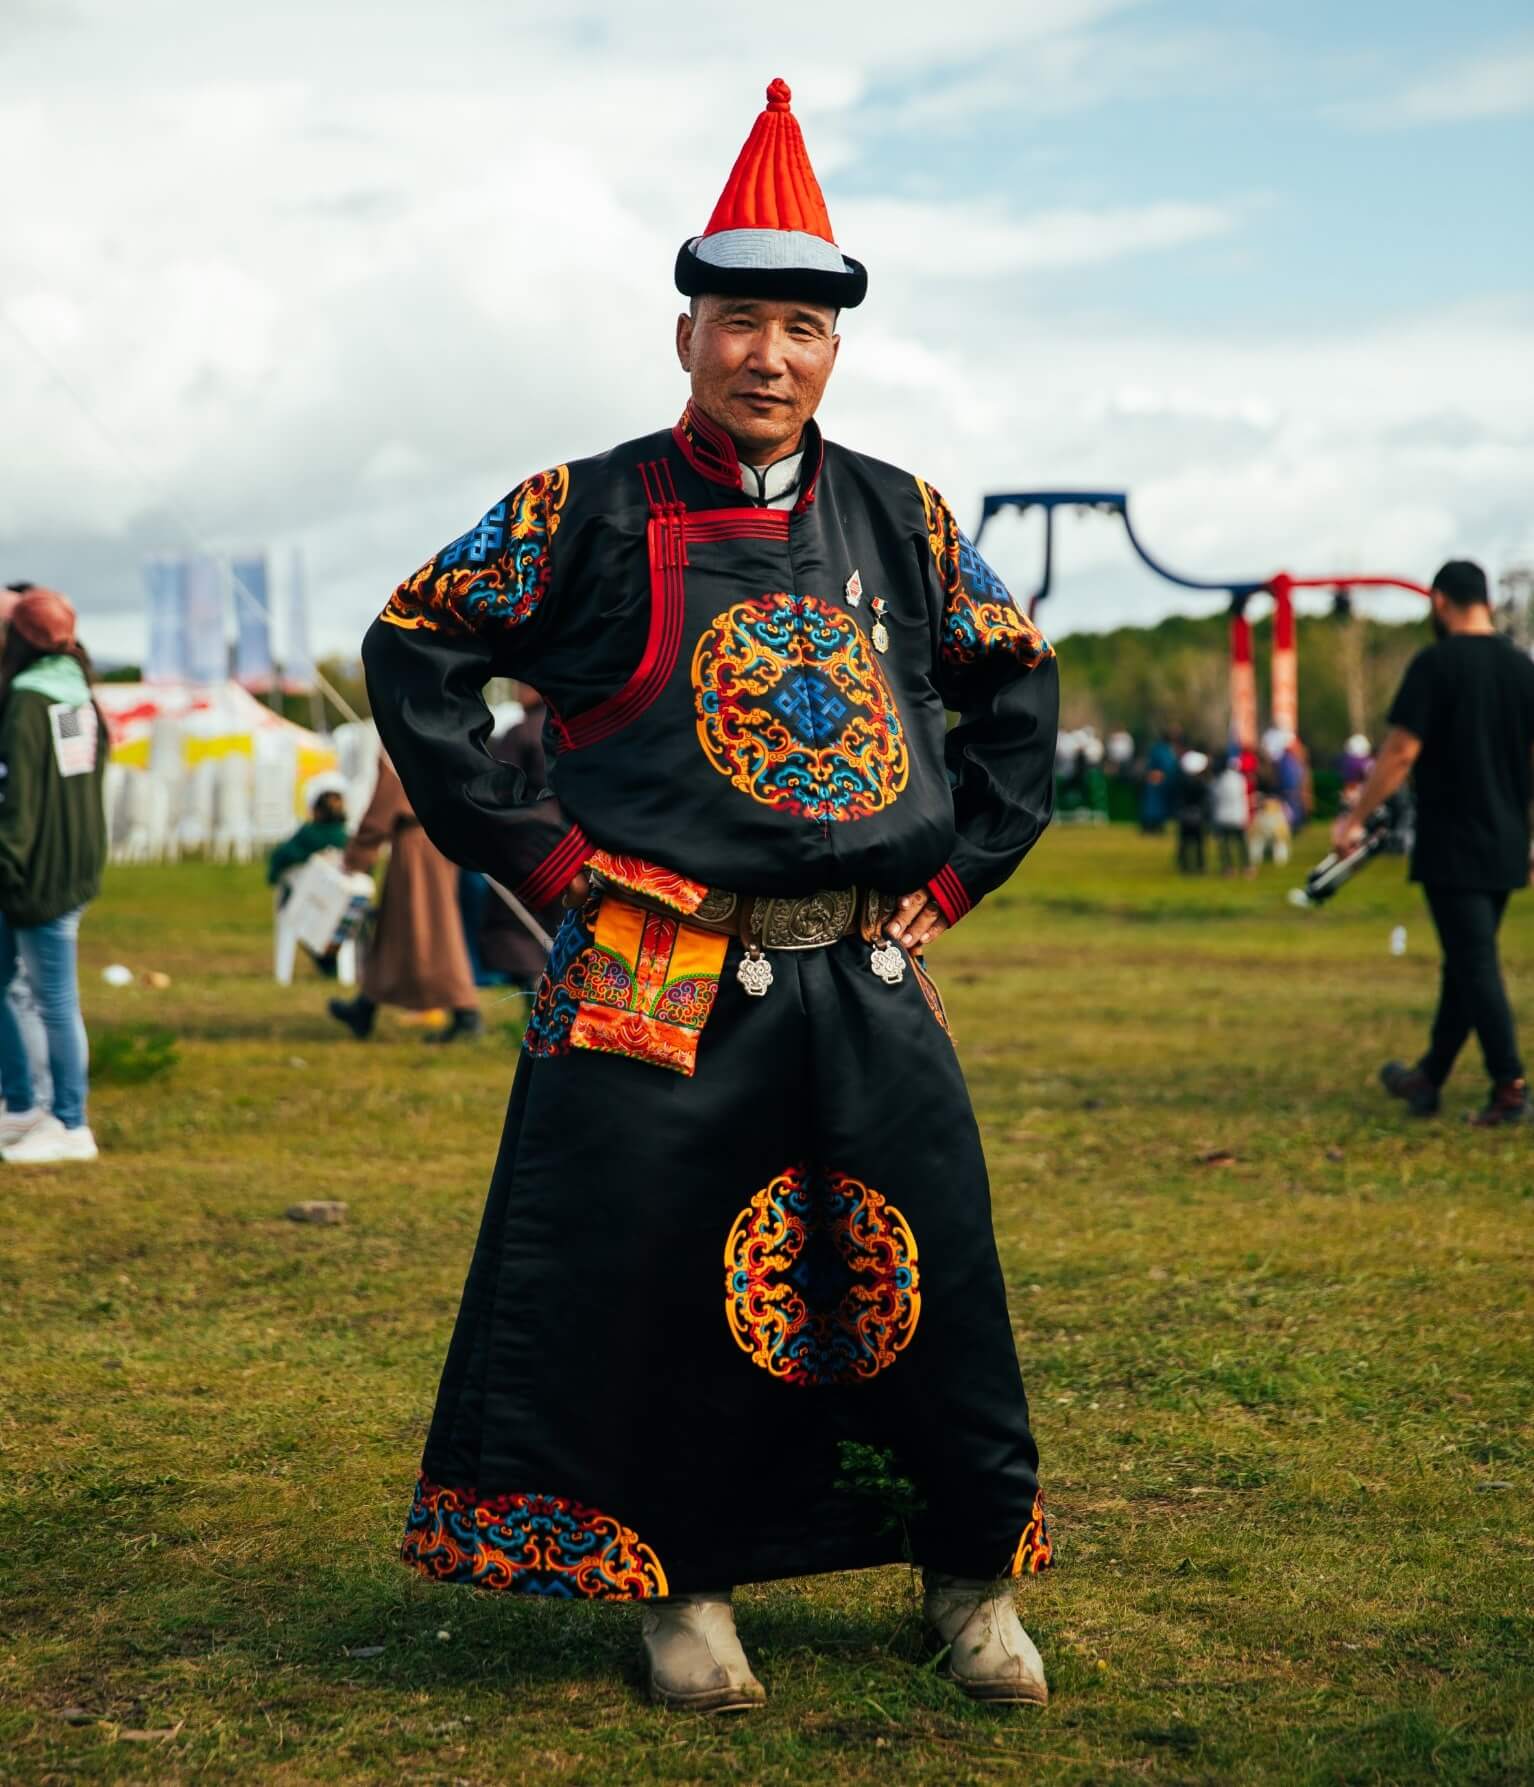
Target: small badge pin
{"type": "Point", "coordinates": [854, 588]}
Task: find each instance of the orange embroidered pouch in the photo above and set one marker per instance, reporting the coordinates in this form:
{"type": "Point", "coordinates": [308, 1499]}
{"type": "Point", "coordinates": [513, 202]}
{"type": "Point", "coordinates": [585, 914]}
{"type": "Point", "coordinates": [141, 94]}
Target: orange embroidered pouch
{"type": "Point", "coordinates": [650, 984]}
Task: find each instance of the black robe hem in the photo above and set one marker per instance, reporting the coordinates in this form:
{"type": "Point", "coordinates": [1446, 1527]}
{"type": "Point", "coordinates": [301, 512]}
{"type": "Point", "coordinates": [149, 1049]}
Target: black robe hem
{"type": "Point", "coordinates": [555, 1548]}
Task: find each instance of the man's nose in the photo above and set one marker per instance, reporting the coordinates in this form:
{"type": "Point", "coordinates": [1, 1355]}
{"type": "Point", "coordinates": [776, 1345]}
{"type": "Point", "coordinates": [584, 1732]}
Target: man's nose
{"type": "Point", "coordinates": [767, 358]}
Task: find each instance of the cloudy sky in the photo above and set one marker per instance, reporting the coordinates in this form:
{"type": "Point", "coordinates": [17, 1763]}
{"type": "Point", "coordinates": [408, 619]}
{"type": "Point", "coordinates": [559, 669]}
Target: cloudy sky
{"type": "Point", "coordinates": [336, 275]}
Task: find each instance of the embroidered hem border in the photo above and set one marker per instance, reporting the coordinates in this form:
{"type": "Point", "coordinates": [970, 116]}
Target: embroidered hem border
{"type": "Point", "coordinates": [1035, 1549]}
{"type": "Point", "coordinates": [530, 1544]}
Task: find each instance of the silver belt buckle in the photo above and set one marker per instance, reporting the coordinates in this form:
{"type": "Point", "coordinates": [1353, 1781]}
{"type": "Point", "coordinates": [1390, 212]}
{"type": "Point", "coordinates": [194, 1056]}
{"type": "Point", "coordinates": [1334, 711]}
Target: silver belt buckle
{"type": "Point", "coordinates": [810, 921]}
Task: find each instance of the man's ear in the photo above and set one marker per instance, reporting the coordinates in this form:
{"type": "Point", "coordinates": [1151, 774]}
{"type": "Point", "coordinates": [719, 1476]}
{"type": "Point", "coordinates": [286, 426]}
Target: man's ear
{"type": "Point", "coordinates": [684, 341]}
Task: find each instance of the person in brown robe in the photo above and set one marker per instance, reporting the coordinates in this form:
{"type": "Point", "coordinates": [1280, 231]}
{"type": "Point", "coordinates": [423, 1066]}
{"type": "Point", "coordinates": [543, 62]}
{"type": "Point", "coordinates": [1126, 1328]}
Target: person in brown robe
{"type": "Point", "coordinates": [416, 958]}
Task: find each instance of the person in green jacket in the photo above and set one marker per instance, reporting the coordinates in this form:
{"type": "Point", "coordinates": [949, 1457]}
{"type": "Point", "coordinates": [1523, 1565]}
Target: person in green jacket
{"type": "Point", "coordinates": [324, 829]}
{"type": "Point", "coordinates": [53, 844]}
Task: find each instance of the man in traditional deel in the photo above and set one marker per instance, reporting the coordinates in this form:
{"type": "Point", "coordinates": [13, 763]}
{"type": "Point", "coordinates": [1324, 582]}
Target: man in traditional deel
{"type": "Point", "coordinates": [735, 1311]}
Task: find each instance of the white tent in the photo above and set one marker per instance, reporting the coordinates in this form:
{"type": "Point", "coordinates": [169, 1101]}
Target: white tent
{"type": "Point", "coordinates": [203, 768]}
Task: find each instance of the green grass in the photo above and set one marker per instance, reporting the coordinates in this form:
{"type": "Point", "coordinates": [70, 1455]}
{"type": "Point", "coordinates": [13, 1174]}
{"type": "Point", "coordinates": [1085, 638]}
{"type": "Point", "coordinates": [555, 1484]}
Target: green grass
{"type": "Point", "coordinates": [1284, 1402]}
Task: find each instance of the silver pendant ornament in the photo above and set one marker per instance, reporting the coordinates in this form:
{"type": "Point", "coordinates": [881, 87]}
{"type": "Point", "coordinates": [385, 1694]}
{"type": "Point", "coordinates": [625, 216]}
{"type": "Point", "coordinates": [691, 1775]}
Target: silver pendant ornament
{"type": "Point", "coordinates": [887, 960]}
{"type": "Point", "coordinates": [754, 972]}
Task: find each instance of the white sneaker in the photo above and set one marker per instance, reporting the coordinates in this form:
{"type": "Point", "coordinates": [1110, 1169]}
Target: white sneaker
{"type": "Point", "coordinates": [15, 1124]}
{"type": "Point", "coordinates": [48, 1143]}
{"type": "Point", "coordinates": [990, 1656]}
{"type": "Point", "coordinates": [695, 1657]}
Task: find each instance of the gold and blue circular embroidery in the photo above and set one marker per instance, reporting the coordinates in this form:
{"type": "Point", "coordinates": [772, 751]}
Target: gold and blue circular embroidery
{"type": "Point", "coordinates": [794, 709]}
{"type": "Point", "coordinates": [527, 1544]}
{"type": "Point", "coordinates": [822, 1284]}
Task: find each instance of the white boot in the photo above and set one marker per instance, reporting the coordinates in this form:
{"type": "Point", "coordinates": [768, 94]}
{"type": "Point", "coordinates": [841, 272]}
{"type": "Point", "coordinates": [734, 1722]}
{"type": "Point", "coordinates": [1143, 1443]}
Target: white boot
{"type": "Point", "coordinates": [990, 1656]}
{"type": "Point", "coordinates": [695, 1657]}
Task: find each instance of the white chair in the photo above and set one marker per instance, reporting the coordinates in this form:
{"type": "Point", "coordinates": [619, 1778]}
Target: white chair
{"type": "Point", "coordinates": [276, 768]}
{"type": "Point", "coordinates": [160, 798]}
{"type": "Point", "coordinates": [199, 795]}
{"type": "Point", "coordinates": [233, 832]}
{"type": "Point", "coordinates": [322, 907]}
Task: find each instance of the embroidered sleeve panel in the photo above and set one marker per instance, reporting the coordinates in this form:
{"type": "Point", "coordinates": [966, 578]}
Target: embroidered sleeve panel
{"type": "Point", "coordinates": [982, 627]}
{"type": "Point", "coordinates": [496, 576]}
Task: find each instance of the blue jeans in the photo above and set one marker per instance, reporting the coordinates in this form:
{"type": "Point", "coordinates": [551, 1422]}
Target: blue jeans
{"type": "Point", "coordinates": [49, 954]}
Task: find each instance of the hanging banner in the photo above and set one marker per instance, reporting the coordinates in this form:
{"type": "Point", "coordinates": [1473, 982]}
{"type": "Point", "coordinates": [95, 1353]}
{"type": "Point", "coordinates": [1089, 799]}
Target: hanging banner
{"type": "Point", "coordinates": [297, 663]}
{"type": "Point", "coordinates": [1285, 705]}
{"type": "Point", "coordinates": [207, 643]}
{"type": "Point", "coordinates": [165, 587]}
{"type": "Point", "coordinates": [253, 667]}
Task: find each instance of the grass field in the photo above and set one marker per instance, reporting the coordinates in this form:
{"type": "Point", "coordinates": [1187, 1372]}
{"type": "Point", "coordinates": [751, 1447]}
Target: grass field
{"type": "Point", "coordinates": [1278, 1342]}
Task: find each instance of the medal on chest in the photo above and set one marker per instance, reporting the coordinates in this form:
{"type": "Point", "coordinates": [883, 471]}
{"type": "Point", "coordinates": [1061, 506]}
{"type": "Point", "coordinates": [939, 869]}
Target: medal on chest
{"type": "Point", "coordinates": [881, 633]}
{"type": "Point", "coordinates": [852, 589]}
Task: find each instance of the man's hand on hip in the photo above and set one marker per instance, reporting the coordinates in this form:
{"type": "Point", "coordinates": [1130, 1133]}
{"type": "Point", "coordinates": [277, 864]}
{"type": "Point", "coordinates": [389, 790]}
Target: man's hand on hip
{"type": "Point", "coordinates": [918, 919]}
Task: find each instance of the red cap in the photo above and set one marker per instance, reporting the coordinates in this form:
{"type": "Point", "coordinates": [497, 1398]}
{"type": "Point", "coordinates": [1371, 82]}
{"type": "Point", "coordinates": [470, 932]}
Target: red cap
{"type": "Point", "coordinates": [45, 619]}
{"type": "Point", "coordinates": [772, 185]}
{"type": "Point", "coordinates": [770, 236]}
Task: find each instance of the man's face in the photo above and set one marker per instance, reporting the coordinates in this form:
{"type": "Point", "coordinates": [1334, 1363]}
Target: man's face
{"type": "Point", "coordinates": [759, 367]}
{"type": "Point", "coordinates": [1440, 614]}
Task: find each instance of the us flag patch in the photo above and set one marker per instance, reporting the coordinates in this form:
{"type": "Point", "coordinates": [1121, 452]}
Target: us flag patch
{"type": "Point", "coordinates": [74, 738]}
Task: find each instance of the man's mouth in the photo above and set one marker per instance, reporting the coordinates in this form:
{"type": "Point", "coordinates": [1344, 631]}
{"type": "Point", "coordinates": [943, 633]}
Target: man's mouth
{"type": "Point", "coordinates": [762, 401]}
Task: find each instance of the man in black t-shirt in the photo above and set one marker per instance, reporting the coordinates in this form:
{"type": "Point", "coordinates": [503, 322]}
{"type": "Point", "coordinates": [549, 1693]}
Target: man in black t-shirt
{"type": "Point", "coordinates": [1462, 724]}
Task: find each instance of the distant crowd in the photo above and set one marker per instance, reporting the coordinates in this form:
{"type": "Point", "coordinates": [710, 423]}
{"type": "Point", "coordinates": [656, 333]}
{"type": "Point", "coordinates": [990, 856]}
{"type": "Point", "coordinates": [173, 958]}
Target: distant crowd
{"type": "Point", "coordinates": [1241, 807]}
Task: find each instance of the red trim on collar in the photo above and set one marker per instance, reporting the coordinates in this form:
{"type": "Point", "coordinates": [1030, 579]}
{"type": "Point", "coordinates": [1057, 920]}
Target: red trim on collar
{"type": "Point", "coordinates": [711, 453]}
{"type": "Point", "coordinates": [815, 452]}
{"type": "Point", "coordinates": [707, 448]}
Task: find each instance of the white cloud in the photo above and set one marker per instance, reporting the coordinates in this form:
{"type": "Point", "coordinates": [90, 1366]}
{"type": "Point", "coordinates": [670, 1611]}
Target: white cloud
{"type": "Point", "coordinates": [1498, 85]}
{"type": "Point", "coordinates": [987, 240]}
{"type": "Point", "coordinates": [386, 262]}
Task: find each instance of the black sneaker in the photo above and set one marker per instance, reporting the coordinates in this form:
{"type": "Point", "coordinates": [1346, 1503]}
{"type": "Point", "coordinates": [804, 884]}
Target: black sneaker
{"type": "Point", "coordinates": [1412, 1086]}
{"type": "Point", "coordinates": [356, 1014]}
{"type": "Point", "coordinates": [1509, 1103]}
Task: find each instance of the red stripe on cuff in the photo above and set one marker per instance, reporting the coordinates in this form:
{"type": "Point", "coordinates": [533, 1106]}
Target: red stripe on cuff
{"type": "Point", "coordinates": [948, 891]}
{"type": "Point", "coordinates": [557, 870]}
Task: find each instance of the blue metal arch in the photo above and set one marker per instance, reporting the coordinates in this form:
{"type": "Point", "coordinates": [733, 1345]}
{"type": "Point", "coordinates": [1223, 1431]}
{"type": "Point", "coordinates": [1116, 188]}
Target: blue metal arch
{"type": "Point", "coordinates": [1105, 502]}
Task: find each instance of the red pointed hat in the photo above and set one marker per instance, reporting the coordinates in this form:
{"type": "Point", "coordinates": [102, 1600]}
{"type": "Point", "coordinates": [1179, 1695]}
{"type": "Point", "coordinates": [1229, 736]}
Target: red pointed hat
{"type": "Point", "coordinates": [770, 236]}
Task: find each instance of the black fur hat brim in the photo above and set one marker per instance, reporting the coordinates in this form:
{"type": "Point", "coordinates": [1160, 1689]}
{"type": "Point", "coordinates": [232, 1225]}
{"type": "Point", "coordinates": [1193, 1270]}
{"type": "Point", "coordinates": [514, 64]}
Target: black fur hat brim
{"type": "Point", "coordinates": [841, 291]}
